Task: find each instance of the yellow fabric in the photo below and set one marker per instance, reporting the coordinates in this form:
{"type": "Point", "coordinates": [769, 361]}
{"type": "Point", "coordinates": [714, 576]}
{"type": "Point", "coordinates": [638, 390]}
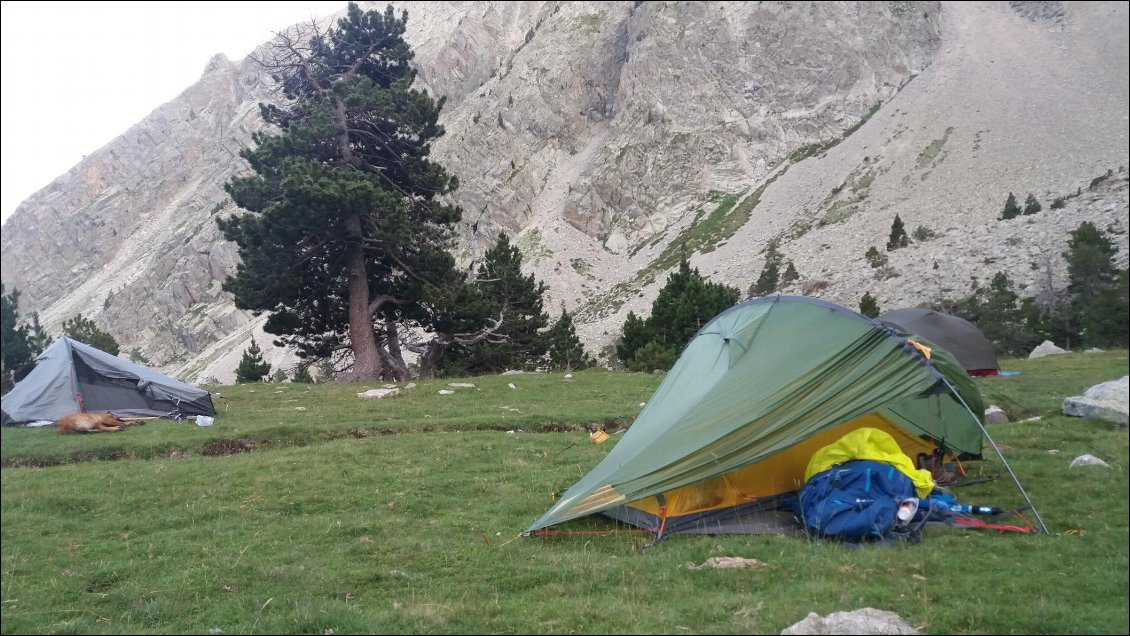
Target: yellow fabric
{"type": "Point", "coordinates": [779, 474]}
{"type": "Point", "coordinates": [872, 444]}
{"type": "Point", "coordinates": [921, 347]}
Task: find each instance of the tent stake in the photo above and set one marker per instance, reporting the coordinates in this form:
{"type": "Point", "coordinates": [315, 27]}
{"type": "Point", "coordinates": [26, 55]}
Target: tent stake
{"type": "Point", "coordinates": [999, 454]}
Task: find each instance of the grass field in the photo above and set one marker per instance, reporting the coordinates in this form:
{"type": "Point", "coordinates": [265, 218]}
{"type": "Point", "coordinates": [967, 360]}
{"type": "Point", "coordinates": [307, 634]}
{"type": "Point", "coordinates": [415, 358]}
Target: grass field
{"type": "Point", "coordinates": [307, 510]}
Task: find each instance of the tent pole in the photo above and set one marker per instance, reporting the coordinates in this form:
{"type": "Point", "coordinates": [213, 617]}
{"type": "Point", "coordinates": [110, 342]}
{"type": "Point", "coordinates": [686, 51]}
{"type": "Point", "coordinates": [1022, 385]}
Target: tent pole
{"type": "Point", "coordinates": [999, 454]}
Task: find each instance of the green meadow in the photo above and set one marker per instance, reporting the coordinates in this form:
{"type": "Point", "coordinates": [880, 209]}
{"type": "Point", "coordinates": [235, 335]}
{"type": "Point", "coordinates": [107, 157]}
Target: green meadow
{"type": "Point", "coordinates": [305, 509]}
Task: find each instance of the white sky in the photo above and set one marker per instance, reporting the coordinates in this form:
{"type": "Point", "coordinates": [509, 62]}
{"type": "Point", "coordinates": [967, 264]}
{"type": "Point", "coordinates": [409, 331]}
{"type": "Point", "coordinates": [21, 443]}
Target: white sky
{"type": "Point", "coordinates": [78, 74]}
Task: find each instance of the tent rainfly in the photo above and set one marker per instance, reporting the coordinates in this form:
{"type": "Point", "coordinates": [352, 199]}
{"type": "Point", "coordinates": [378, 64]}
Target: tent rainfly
{"type": "Point", "coordinates": [956, 335]}
{"type": "Point", "coordinates": [71, 376]}
{"type": "Point", "coordinates": [758, 390]}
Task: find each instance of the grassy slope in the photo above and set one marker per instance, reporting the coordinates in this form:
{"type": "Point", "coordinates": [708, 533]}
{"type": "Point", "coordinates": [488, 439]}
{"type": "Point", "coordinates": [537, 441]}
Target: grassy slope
{"type": "Point", "coordinates": [409, 532]}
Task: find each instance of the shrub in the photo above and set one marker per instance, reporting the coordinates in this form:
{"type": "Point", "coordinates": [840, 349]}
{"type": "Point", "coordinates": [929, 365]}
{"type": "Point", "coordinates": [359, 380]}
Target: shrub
{"type": "Point", "coordinates": [868, 306]}
{"type": "Point", "coordinates": [923, 233]}
{"type": "Point", "coordinates": [875, 258]}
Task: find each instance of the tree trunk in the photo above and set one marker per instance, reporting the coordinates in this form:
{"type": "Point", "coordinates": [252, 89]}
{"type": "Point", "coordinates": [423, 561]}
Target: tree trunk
{"type": "Point", "coordinates": [366, 357]}
{"type": "Point", "coordinates": [429, 362]}
{"type": "Point", "coordinates": [395, 361]}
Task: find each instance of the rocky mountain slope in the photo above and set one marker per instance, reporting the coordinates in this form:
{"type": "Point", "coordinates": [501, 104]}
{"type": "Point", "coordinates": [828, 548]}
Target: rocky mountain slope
{"type": "Point", "coordinates": [609, 138]}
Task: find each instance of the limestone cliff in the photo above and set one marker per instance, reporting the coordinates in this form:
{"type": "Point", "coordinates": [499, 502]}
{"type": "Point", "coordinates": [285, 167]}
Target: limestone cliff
{"type": "Point", "coordinates": [609, 137]}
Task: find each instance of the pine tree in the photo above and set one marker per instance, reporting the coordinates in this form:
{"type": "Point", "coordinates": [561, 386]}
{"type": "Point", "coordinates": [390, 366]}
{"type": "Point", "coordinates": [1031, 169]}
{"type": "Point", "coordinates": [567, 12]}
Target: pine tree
{"type": "Point", "coordinates": [344, 208]}
{"type": "Point", "coordinates": [302, 376]}
{"type": "Point", "coordinates": [868, 306]}
{"type": "Point", "coordinates": [767, 282]}
{"type": "Point", "coordinates": [790, 275]}
{"type": "Point", "coordinates": [685, 303]}
{"type": "Point", "coordinates": [518, 342]}
{"type": "Point", "coordinates": [1001, 320]}
{"type": "Point", "coordinates": [1031, 205]}
{"type": "Point", "coordinates": [15, 351]}
{"type": "Point", "coordinates": [566, 352]}
{"type": "Point", "coordinates": [252, 367]}
{"type": "Point", "coordinates": [636, 334]}
{"type": "Point", "coordinates": [898, 236]}
{"type": "Point", "coordinates": [87, 332]}
{"type": "Point", "coordinates": [770, 278]}
{"type": "Point", "coordinates": [1011, 208]}
{"type": "Point", "coordinates": [37, 338]}
{"type": "Point", "coordinates": [1098, 301]}
{"type": "Point", "coordinates": [875, 258]}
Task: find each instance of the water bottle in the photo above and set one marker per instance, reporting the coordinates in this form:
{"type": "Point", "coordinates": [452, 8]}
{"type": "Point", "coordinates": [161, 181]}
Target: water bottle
{"type": "Point", "coordinates": [906, 510]}
{"type": "Point", "coordinates": [966, 509]}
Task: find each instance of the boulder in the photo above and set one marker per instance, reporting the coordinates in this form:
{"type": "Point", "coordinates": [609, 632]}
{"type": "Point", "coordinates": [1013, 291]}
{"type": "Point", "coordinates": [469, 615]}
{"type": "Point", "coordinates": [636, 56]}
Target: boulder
{"type": "Point", "coordinates": [861, 621]}
{"type": "Point", "coordinates": [1107, 401]}
{"type": "Point", "coordinates": [1046, 348]}
{"type": "Point", "coordinates": [1087, 460]}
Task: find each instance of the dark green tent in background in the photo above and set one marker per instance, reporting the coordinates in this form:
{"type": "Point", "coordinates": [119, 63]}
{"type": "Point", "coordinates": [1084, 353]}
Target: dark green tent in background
{"type": "Point", "coordinates": [956, 335]}
{"type": "Point", "coordinates": [756, 392]}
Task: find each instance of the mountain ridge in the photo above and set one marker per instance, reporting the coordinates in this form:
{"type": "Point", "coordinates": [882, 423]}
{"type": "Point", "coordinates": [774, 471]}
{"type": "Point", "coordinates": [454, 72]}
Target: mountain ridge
{"type": "Point", "coordinates": [602, 136]}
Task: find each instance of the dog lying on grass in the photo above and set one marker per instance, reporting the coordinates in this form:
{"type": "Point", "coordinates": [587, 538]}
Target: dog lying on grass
{"type": "Point", "coordinates": [90, 423]}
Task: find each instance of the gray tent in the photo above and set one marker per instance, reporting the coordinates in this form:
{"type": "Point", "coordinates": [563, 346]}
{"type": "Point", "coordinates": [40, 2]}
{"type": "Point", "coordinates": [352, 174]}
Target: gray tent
{"type": "Point", "coordinates": [71, 376]}
{"type": "Point", "coordinates": [956, 335]}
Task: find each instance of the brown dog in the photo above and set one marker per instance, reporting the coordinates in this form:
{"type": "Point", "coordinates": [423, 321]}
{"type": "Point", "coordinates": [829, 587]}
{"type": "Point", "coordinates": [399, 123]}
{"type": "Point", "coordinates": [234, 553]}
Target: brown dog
{"type": "Point", "coordinates": [90, 423]}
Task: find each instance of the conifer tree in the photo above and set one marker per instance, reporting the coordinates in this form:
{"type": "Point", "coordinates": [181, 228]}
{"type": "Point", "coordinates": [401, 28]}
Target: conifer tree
{"type": "Point", "coordinates": [868, 306]}
{"type": "Point", "coordinates": [517, 297]}
{"type": "Point", "coordinates": [15, 352]}
{"type": "Point", "coordinates": [566, 352]}
{"type": "Point", "coordinates": [686, 303]}
{"type": "Point", "coordinates": [875, 258]}
{"type": "Point", "coordinates": [898, 236]}
{"type": "Point", "coordinates": [1098, 297]}
{"type": "Point", "coordinates": [790, 274]}
{"type": "Point", "coordinates": [37, 338]}
{"type": "Point", "coordinates": [1011, 208]}
{"type": "Point", "coordinates": [252, 367]}
{"type": "Point", "coordinates": [770, 278]}
{"type": "Point", "coordinates": [302, 375]}
{"type": "Point", "coordinates": [1031, 205]}
{"type": "Point", "coordinates": [344, 208]}
{"type": "Point", "coordinates": [87, 332]}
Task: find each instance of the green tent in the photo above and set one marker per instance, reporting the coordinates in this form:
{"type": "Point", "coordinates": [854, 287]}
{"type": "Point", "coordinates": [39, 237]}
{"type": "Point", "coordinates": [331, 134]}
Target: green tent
{"type": "Point", "coordinates": [756, 392]}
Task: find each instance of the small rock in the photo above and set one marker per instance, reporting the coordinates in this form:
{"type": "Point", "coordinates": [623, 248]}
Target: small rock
{"type": "Point", "coordinates": [300, 408]}
{"type": "Point", "coordinates": [1088, 460]}
{"type": "Point", "coordinates": [410, 385]}
{"type": "Point", "coordinates": [568, 377]}
{"type": "Point", "coordinates": [378, 394]}
{"type": "Point", "coordinates": [861, 621]}
{"type": "Point", "coordinates": [995, 415]}
{"type": "Point", "coordinates": [511, 385]}
{"type": "Point", "coordinates": [461, 385]}
{"type": "Point", "coordinates": [727, 563]}
{"type": "Point", "coordinates": [446, 392]}
{"type": "Point", "coordinates": [513, 372]}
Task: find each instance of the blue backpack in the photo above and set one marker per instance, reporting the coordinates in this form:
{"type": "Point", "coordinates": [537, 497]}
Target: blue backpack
{"type": "Point", "coordinates": [854, 501]}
